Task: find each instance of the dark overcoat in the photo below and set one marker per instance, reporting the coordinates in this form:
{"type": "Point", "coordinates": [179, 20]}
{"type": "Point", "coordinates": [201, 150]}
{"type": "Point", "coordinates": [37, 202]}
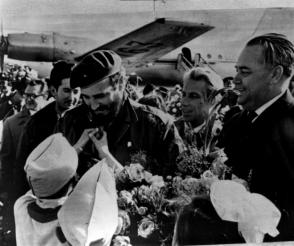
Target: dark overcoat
{"type": "Point", "coordinates": [263, 153]}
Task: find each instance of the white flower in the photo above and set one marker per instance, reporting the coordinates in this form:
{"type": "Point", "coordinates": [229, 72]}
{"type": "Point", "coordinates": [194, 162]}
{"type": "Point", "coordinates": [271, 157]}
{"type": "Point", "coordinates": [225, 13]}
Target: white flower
{"type": "Point", "coordinates": [121, 241]}
{"type": "Point", "coordinates": [142, 210]}
{"type": "Point", "coordinates": [126, 196]}
{"type": "Point", "coordinates": [147, 176]}
{"type": "Point", "coordinates": [216, 128]}
{"type": "Point", "coordinates": [157, 181]}
{"type": "Point", "coordinates": [146, 227]}
{"type": "Point", "coordinates": [190, 186]}
{"type": "Point", "coordinates": [208, 178]}
{"type": "Point", "coordinates": [135, 172]}
{"type": "Point", "coordinates": [144, 193]}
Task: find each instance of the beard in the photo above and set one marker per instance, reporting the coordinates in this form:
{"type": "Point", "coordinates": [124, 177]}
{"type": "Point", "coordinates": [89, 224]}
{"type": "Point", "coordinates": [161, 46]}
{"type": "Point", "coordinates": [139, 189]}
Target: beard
{"type": "Point", "coordinates": [105, 114]}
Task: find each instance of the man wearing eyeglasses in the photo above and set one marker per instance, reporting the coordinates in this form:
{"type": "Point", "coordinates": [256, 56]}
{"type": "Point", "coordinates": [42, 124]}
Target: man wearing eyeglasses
{"type": "Point", "coordinates": [35, 95]}
{"type": "Point", "coordinates": [130, 127]}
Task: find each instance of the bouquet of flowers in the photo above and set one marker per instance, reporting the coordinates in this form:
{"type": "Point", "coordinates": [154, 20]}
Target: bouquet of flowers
{"type": "Point", "coordinates": [149, 203]}
{"type": "Point", "coordinates": [144, 207]}
{"type": "Point", "coordinates": [198, 158]}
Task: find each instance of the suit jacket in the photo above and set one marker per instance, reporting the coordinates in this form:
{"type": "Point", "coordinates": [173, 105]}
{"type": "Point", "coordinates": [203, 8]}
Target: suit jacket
{"type": "Point", "coordinates": [12, 129]}
{"type": "Point", "coordinates": [136, 128]}
{"type": "Point", "coordinates": [263, 153]}
{"type": "Point", "coordinates": [40, 126]}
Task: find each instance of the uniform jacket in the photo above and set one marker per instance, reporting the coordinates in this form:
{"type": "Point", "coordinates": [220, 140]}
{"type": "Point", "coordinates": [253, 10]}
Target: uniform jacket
{"type": "Point", "coordinates": [136, 128]}
{"type": "Point", "coordinates": [263, 153]}
{"type": "Point", "coordinates": [12, 130]}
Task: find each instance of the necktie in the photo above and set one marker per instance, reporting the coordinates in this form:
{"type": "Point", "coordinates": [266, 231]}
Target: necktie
{"type": "Point", "coordinates": [250, 116]}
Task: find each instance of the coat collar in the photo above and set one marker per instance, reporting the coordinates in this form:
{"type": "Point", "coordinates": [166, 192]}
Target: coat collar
{"type": "Point", "coordinates": [277, 109]}
{"type": "Point", "coordinates": [24, 112]}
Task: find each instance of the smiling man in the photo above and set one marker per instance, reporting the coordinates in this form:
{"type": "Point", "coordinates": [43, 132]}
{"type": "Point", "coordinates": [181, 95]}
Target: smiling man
{"type": "Point", "coordinates": [198, 86]}
{"type": "Point", "coordinates": [43, 123]}
{"type": "Point", "coordinates": [130, 127]}
{"type": "Point", "coordinates": [259, 141]}
{"type": "Point", "coordinates": [259, 149]}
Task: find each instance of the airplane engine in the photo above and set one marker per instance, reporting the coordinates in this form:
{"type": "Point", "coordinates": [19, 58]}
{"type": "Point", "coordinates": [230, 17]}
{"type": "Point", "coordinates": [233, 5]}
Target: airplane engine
{"type": "Point", "coordinates": [45, 47]}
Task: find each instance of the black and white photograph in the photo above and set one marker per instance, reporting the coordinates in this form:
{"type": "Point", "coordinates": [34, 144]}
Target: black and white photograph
{"type": "Point", "coordinates": [146, 122]}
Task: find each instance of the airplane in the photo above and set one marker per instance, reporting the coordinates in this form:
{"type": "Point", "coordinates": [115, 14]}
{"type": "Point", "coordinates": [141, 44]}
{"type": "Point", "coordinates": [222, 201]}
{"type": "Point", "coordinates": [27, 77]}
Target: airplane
{"type": "Point", "coordinates": [215, 37]}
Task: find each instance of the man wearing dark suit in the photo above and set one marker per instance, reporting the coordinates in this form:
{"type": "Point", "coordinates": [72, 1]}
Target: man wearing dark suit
{"type": "Point", "coordinates": [259, 141]}
{"type": "Point", "coordinates": [260, 149]}
{"type": "Point", "coordinates": [43, 123]}
{"type": "Point", "coordinates": [35, 98]}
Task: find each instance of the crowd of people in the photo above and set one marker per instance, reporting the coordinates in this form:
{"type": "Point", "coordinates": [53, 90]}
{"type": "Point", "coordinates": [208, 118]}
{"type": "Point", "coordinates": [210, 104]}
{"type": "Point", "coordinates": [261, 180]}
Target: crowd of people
{"type": "Point", "coordinates": [65, 138]}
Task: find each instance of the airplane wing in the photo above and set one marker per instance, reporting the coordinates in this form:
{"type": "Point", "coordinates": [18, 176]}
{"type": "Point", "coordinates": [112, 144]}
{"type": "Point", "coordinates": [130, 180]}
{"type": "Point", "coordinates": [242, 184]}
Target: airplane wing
{"type": "Point", "coordinates": [152, 41]}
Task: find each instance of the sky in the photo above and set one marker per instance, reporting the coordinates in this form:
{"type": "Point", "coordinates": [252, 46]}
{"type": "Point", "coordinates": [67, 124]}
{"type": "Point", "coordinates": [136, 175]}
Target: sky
{"type": "Point", "coordinates": [37, 7]}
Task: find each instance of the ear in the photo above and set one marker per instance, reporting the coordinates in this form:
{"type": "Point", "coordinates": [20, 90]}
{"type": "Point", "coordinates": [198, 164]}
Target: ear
{"type": "Point", "coordinates": [277, 74]}
{"type": "Point", "coordinates": [53, 91]}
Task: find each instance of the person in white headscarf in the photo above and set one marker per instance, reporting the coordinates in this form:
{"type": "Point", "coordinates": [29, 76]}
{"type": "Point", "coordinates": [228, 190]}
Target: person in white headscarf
{"type": "Point", "coordinates": [50, 170]}
{"type": "Point", "coordinates": [54, 213]}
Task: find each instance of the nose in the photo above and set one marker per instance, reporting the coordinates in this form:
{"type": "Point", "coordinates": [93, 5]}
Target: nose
{"type": "Point", "coordinates": [71, 95]}
{"type": "Point", "coordinates": [184, 101]}
{"type": "Point", "coordinates": [94, 104]}
{"type": "Point", "coordinates": [237, 79]}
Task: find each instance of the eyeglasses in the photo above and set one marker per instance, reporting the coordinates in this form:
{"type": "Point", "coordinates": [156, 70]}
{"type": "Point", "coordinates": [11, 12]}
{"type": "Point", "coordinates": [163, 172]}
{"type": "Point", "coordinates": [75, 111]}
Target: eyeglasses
{"type": "Point", "coordinates": [32, 96]}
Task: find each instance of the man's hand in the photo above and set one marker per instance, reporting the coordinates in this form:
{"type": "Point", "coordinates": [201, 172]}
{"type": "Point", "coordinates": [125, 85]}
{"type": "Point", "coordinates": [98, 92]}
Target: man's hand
{"type": "Point", "coordinates": [100, 143]}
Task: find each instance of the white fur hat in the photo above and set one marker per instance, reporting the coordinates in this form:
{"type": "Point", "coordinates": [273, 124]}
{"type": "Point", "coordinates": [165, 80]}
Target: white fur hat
{"type": "Point", "coordinates": [89, 216]}
{"type": "Point", "coordinates": [51, 165]}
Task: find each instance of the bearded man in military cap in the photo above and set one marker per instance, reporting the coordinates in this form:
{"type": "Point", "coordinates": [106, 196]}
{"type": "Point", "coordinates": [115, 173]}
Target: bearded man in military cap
{"type": "Point", "coordinates": [130, 127]}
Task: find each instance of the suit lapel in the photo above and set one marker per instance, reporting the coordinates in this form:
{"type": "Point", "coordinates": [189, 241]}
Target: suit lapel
{"type": "Point", "coordinates": [23, 116]}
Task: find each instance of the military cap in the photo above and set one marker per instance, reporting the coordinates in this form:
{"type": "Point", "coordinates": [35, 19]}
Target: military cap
{"type": "Point", "coordinates": [95, 67]}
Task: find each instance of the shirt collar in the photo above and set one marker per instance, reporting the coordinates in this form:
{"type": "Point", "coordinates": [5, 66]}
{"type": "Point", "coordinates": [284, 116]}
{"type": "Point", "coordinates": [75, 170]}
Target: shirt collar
{"type": "Point", "coordinates": [261, 109]}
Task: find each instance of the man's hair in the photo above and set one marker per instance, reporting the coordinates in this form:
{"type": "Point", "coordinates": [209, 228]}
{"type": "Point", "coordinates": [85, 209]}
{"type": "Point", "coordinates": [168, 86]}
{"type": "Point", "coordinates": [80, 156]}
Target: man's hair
{"type": "Point", "coordinates": [42, 83]}
{"type": "Point", "coordinates": [148, 88]}
{"type": "Point", "coordinates": [61, 70]}
{"type": "Point", "coordinates": [197, 75]}
{"type": "Point", "coordinates": [277, 50]}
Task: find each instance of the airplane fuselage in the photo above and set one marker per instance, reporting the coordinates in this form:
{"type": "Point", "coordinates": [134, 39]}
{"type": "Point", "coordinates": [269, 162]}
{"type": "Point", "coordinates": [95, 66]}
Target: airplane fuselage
{"type": "Point", "coordinates": [219, 46]}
